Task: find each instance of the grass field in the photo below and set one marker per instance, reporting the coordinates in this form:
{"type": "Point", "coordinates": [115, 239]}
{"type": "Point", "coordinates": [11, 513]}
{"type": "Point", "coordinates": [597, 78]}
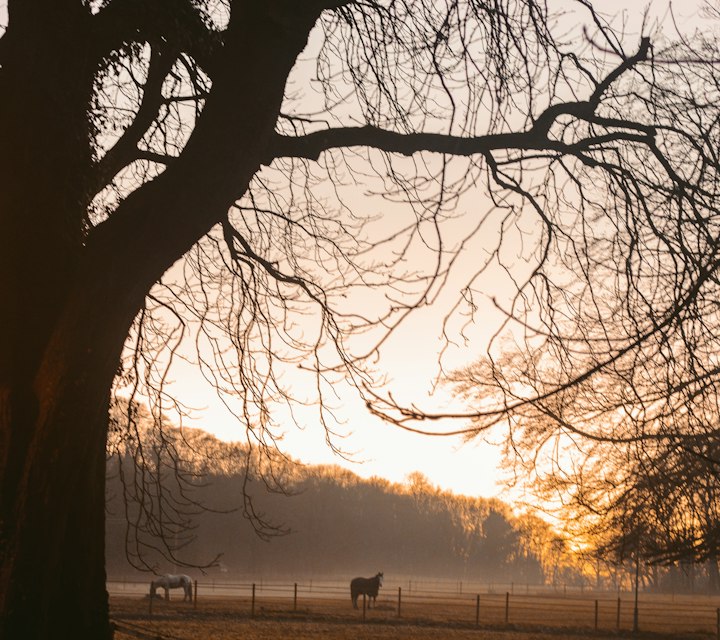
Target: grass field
{"type": "Point", "coordinates": [334, 619]}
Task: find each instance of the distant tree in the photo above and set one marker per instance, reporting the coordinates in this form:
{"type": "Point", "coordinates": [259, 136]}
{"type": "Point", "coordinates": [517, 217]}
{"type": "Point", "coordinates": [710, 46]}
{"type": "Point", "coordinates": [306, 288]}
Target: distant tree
{"type": "Point", "coordinates": [178, 172]}
{"type": "Point", "coordinates": [657, 500]}
{"type": "Point", "coordinates": [337, 524]}
{"type": "Point", "coordinates": [536, 543]}
{"type": "Point", "coordinates": [500, 544]}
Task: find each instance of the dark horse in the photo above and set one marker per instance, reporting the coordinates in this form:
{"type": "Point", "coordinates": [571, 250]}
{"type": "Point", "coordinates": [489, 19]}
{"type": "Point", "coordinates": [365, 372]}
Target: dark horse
{"type": "Point", "coordinates": [365, 586]}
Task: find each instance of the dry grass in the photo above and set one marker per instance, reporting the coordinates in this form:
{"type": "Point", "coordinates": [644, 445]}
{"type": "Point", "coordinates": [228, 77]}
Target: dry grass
{"type": "Point", "coordinates": [230, 619]}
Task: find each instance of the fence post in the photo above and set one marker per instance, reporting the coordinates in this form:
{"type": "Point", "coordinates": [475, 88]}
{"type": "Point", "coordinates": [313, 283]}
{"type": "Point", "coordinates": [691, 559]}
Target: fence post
{"type": "Point", "coordinates": [152, 597]}
{"type": "Point", "coordinates": [295, 598]}
{"type": "Point", "coordinates": [617, 624]}
{"type": "Point", "coordinates": [363, 607]}
{"type": "Point", "coordinates": [477, 610]}
{"type": "Point", "coordinates": [636, 626]}
{"type": "Point", "coordinates": [596, 615]}
{"type": "Point", "coordinates": [717, 624]}
{"type": "Point", "coordinates": [252, 602]}
{"type": "Point", "coordinates": [195, 596]}
{"type": "Point", "coordinates": [507, 607]}
{"type": "Point", "coordinates": [399, 600]}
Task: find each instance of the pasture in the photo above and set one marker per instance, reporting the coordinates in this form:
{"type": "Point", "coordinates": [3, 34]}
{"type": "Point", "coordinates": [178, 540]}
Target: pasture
{"type": "Point", "coordinates": [283, 610]}
{"type": "Point", "coordinates": [229, 620]}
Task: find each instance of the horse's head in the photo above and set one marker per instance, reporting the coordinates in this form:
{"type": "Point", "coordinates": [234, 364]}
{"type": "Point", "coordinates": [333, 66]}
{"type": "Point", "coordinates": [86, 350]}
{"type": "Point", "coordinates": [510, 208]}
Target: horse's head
{"type": "Point", "coordinates": [379, 577]}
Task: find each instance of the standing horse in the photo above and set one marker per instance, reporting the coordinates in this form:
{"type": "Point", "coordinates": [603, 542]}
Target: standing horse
{"type": "Point", "coordinates": [365, 586]}
{"type": "Point", "coordinates": [170, 581]}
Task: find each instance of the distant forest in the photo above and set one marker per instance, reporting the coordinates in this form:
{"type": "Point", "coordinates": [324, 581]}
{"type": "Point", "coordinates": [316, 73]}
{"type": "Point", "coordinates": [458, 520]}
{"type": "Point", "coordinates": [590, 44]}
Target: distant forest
{"type": "Point", "coordinates": [181, 497]}
{"type": "Point", "coordinates": [310, 520]}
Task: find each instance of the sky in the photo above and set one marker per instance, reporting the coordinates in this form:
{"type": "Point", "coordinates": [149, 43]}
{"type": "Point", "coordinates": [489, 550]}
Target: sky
{"type": "Point", "coordinates": [376, 448]}
{"type": "Point", "coordinates": [372, 447]}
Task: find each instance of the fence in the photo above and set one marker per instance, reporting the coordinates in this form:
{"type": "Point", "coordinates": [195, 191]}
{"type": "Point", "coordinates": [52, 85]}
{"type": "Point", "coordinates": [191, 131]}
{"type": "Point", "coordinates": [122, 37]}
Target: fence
{"type": "Point", "coordinates": [445, 602]}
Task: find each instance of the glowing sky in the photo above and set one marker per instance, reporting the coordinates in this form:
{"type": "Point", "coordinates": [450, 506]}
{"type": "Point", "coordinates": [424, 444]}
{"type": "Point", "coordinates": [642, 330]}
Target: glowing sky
{"type": "Point", "coordinates": [375, 447]}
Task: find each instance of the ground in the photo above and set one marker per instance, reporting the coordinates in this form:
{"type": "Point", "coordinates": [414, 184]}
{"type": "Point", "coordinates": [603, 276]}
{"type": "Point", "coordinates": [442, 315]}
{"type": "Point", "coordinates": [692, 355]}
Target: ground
{"type": "Point", "coordinates": [233, 619]}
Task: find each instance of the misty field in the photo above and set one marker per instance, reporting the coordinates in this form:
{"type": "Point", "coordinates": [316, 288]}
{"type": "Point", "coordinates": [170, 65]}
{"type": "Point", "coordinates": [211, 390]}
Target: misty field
{"type": "Point", "coordinates": [530, 618]}
{"type": "Point", "coordinates": [229, 620]}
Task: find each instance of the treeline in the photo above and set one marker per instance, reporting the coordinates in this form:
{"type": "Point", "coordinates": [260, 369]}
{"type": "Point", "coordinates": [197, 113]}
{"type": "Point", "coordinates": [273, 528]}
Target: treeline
{"type": "Point", "coordinates": [182, 496]}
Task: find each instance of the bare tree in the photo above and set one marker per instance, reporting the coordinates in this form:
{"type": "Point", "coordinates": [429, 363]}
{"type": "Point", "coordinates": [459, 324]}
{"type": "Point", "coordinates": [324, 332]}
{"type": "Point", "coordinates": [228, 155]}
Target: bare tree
{"type": "Point", "coordinates": [654, 499]}
{"type": "Point", "coordinates": [136, 135]}
{"type": "Point", "coordinates": [615, 311]}
{"type": "Point", "coordinates": [605, 374]}
{"type": "Point", "coordinates": [614, 331]}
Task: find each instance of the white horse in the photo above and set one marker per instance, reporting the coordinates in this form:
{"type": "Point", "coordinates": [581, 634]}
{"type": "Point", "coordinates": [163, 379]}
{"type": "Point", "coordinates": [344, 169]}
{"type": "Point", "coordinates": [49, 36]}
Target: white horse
{"type": "Point", "coordinates": [170, 581]}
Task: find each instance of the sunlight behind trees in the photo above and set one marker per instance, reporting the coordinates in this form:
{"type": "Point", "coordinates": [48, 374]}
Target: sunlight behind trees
{"type": "Point", "coordinates": [333, 524]}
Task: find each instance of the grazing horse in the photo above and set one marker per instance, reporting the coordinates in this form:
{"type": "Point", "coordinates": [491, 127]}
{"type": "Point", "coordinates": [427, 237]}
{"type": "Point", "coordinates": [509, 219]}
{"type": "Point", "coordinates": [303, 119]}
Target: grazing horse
{"type": "Point", "coordinates": [365, 586]}
{"type": "Point", "coordinates": [170, 581]}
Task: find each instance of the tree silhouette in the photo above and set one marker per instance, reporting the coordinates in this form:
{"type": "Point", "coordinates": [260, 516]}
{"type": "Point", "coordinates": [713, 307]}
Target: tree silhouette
{"type": "Point", "coordinates": [610, 331]}
{"type": "Point", "coordinates": [657, 499]}
{"type": "Point", "coordinates": [182, 171]}
{"type": "Point", "coordinates": [337, 523]}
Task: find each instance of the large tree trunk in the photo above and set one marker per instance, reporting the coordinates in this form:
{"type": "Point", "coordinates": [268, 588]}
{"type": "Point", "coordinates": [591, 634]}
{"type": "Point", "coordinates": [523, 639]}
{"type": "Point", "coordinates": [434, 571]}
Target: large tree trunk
{"type": "Point", "coordinates": [52, 582]}
{"type": "Point", "coordinates": [51, 433]}
{"type": "Point", "coordinates": [72, 297]}
{"type": "Point", "coordinates": [53, 577]}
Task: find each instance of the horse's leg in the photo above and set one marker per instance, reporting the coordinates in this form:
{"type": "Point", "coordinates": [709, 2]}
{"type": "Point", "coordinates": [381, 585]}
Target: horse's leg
{"type": "Point", "coordinates": [167, 594]}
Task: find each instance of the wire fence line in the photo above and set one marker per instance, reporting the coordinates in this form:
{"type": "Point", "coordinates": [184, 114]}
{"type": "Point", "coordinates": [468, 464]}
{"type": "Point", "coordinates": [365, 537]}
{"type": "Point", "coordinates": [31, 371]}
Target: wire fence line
{"type": "Point", "coordinates": [467, 603]}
